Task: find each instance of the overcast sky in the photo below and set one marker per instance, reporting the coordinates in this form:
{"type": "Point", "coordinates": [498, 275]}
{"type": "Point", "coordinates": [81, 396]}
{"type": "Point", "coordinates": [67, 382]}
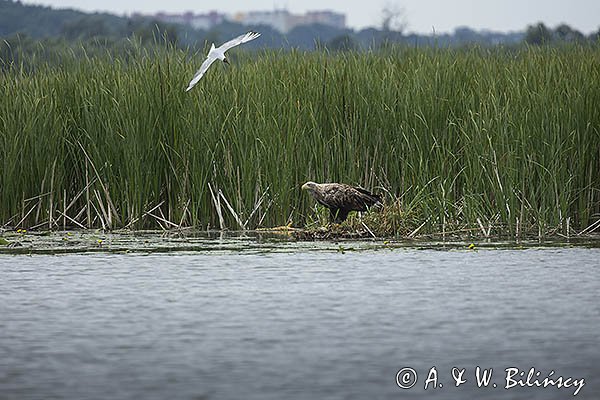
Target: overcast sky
{"type": "Point", "coordinates": [421, 15]}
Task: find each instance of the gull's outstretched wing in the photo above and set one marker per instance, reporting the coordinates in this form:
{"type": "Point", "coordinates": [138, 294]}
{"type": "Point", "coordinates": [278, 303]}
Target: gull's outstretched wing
{"type": "Point", "coordinates": [239, 40]}
{"type": "Point", "coordinates": [200, 73]}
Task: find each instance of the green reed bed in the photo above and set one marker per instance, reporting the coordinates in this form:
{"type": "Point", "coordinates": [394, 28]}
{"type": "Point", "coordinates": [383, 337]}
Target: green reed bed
{"type": "Point", "coordinates": [486, 141]}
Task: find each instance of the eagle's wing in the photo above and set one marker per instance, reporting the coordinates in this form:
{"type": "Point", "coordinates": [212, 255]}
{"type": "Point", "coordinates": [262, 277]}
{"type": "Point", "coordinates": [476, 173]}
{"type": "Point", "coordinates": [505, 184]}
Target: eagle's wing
{"type": "Point", "coordinates": [200, 73]}
{"type": "Point", "coordinates": [335, 195]}
{"type": "Point", "coordinates": [347, 197]}
{"type": "Point", "coordinates": [239, 40]}
{"type": "Point", "coordinates": [370, 198]}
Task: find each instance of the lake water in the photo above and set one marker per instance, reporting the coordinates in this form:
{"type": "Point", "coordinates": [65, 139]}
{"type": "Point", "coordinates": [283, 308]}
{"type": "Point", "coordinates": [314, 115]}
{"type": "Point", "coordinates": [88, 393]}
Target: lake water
{"type": "Point", "coordinates": [280, 320]}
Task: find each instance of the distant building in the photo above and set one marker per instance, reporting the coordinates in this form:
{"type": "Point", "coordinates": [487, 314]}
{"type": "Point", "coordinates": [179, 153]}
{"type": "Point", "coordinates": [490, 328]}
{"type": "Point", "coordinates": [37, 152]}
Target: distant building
{"type": "Point", "coordinates": [280, 20]}
{"type": "Point", "coordinates": [277, 19]}
{"type": "Point", "coordinates": [197, 21]}
{"type": "Point", "coordinates": [328, 18]}
{"type": "Point", "coordinates": [284, 21]}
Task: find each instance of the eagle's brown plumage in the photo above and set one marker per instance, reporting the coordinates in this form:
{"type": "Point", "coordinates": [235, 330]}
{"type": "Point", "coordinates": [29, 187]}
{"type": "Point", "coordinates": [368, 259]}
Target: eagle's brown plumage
{"type": "Point", "coordinates": [341, 198]}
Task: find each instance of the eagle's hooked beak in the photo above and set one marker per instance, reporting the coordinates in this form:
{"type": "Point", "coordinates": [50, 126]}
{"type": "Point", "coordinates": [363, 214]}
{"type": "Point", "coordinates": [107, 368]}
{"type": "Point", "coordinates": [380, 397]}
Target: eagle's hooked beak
{"type": "Point", "coordinates": [305, 186]}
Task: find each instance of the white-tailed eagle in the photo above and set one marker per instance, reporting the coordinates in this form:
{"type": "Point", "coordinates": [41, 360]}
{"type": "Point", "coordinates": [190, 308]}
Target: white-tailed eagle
{"type": "Point", "coordinates": [341, 198]}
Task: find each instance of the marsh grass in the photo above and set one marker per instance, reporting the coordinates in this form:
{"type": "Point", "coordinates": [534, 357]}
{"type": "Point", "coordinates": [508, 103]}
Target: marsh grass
{"type": "Point", "coordinates": [488, 140]}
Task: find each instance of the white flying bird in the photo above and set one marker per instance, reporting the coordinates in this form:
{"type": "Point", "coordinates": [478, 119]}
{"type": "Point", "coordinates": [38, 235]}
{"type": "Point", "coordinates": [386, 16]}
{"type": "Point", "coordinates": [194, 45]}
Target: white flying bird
{"type": "Point", "coordinates": [218, 53]}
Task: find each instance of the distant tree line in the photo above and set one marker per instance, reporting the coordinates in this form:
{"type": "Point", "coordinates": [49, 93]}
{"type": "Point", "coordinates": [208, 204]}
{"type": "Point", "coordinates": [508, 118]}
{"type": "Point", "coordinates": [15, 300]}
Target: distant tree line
{"type": "Point", "coordinates": [540, 34]}
{"type": "Point", "coordinates": [28, 28]}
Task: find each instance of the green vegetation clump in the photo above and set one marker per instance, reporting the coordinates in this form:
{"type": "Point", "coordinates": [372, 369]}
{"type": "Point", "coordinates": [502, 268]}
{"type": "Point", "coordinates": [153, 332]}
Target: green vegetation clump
{"type": "Point", "coordinates": [494, 141]}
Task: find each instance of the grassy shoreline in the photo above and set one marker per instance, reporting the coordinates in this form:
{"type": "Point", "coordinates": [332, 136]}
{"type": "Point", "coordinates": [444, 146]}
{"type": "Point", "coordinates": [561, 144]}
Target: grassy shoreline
{"type": "Point", "coordinates": [190, 240]}
{"type": "Point", "coordinates": [505, 142]}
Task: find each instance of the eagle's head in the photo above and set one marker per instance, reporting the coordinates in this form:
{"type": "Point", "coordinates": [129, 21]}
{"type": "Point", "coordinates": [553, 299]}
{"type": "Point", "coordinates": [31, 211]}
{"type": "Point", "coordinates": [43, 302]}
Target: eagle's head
{"type": "Point", "coordinates": [310, 186]}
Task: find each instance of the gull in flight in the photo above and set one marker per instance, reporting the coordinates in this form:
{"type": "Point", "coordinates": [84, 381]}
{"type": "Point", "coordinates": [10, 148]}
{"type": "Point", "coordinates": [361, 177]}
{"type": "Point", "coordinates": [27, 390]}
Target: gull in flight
{"type": "Point", "coordinates": [218, 53]}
